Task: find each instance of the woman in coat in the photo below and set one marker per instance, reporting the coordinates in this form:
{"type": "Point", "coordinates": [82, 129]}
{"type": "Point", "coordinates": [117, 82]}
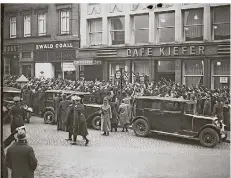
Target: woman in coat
{"type": "Point", "coordinates": [124, 115]}
{"type": "Point", "coordinates": [106, 116]}
{"type": "Point", "coordinates": [207, 111]}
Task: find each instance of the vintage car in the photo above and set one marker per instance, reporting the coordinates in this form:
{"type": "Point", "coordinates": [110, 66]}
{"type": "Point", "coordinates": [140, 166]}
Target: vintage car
{"type": "Point", "coordinates": [175, 116]}
{"type": "Point", "coordinates": [8, 94]}
{"type": "Point", "coordinates": [91, 110]}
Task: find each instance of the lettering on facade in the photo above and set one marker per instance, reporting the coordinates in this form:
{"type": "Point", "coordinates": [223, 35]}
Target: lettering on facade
{"type": "Point", "coordinates": [166, 51]}
{"type": "Point", "coordinates": [13, 48]}
{"type": "Point", "coordinates": [54, 46]}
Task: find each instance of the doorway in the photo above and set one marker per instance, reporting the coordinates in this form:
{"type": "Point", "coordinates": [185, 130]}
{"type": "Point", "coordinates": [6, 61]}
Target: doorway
{"type": "Point", "coordinates": [165, 69]}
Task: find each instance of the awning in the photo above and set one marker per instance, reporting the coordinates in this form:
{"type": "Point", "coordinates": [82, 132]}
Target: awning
{"type": "Point", "coordinates": [87, 62]}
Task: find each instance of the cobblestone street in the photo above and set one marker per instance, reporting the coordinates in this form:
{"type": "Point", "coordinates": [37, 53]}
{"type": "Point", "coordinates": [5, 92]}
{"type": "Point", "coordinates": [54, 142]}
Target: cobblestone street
{"type": "Point", "coordinates": [123, 155]}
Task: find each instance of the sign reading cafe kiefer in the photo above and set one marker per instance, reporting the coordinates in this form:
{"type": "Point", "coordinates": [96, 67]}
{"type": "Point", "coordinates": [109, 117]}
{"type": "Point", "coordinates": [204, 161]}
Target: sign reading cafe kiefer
{"type": "Point", "coordinates": [166, 51]}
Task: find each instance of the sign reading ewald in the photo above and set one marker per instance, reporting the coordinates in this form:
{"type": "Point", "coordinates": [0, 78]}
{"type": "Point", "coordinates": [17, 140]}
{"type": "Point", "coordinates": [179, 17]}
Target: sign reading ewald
{"type": "Point", "coordinates": [57, 45]}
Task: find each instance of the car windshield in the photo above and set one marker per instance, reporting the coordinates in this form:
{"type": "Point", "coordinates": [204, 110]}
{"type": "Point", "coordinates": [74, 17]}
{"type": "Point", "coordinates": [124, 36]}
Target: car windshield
{"type": "Point", "coordinates": [149, 104]}
{"type": "Point", "coordinates": [10, 96]}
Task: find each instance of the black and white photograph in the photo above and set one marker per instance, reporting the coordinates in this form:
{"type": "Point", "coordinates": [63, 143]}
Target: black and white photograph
{"type": "Point", "coordinates": [93, 89]}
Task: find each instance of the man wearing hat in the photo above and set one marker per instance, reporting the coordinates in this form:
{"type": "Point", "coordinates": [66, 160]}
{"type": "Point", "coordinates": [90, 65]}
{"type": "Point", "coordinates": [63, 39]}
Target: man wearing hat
{"type": "Point", "coordinates": [76, 122]}
{"type": "Point", "coordinates": [17, 115]}
{"type": "Point", "coordinates": [20, 158]}
{"type": "Point", "coordinates": [62, 112]}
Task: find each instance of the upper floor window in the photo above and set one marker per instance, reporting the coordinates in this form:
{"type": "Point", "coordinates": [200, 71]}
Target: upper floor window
{"type": "Point", "coordinates": [166, 27]}
{"type": "Point", "coordinates": [12, 27]}
{"type": "Point", "coordinates": [117, 34]}
{"type": "Point", "coordinates": [141, 28]}
{"type": "Point", "coordinates": [65, 21]}
{"type": "Point", "coordinates": [27, 26]}
{"type": "Point", "coordinates": [41, 24]}
{"type": "Point", "coordinates": [193, 25]}
{"type": "Point", "coordinates": [95, 31]}
{"type": "Point", "coordinates": [221, 23]}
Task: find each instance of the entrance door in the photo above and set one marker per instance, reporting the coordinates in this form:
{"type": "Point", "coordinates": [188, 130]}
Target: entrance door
{"type": "Point", "coordinates": [92, 72]}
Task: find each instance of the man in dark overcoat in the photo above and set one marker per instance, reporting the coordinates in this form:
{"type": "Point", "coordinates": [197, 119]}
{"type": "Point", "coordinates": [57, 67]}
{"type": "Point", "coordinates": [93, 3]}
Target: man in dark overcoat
{"type": "Point", "coordinates": [218, 110]}
{"type": "Point", "coordinates": [76, 121]}
{"type": "Point", "coordinates": [62, 112]}
{"type": "Point", "coordinates": [20, 158]}
{"type": "Point", "coordinates": [207, 110]}
{"type": "Point", "coordinates": [57, 101]}
{"type": "Point", "coordinates": [17, 115]}
{"type": "Point", "coordinates": [41, 97]}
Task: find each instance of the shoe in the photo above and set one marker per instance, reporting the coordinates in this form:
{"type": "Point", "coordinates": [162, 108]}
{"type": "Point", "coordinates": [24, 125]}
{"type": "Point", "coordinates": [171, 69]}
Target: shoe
{"type": "Point", "coordinates": [104, 133]}
{"type": "Point", "coordinates": [123, 130]}
{"type": "Point", "coordinates": [68, 139]}
{"type": "Point", "coordinates": [73, 143]}
{"type": "Point", "coordinates": [87, 141]}
{"type": "Point", "coordinates": [126, 130]}
{"type": "Point", "coordinates": [115, 129]}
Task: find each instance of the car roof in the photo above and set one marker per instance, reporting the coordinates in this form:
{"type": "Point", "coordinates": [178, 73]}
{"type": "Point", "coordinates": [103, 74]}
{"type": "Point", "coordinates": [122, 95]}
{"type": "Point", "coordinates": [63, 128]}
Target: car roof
{"type": "Point", "coordinates": [10, 90]}
{"type": "Point", "coordinates": [67, 92]}
{"type": "Point", "coordinates": [165, 99]}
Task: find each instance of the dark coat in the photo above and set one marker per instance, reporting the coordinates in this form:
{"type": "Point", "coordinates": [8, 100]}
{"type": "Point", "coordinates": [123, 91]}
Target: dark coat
{"type": "Point", "coordinates": [28, 98]}
{"type": "Point", "coordinates": [35, 99]}
{"type": "Point", "coordinates": [218, 111]}
{"type": "Point", "coordinates": [20, 158]}
{"type": "Point", "coordinates": [17, 117]}
{"type": "Point", "coordinates": [41, 97]}
{"type": "Point", "coordinates": [76, 121]}
{"type": "Point", "coordinates": [114, 108]}
{"type": "Point", "coordinates": [207, 108]}
{"type": "Point", "coordinates": [62, 113]}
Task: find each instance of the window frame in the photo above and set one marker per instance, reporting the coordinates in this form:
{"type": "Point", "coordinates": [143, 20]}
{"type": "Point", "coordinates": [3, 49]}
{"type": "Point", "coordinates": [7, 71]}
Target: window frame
{"type": "Point", "coordinates": [67, 20]}
{"type": "Point", "coordinates": [11, 22]}
{"type": "Point", "coordinates": [44, 24]}
{"type": "Point", "coordinates": [110, 30]}
{"type": "Point", "coordinates": [96, 32]}
{"type": "Point", "coordinates": [166, 27]}
{"type": "Point", "coordinates": [185, 26]}
{"type": "Point", "coordinates": [139, 29]}
{"type": "Point", "coordinates": [25, 33]}
{"type": "Point", "coordinates": [184, 76]}
{"type": "Point", "coordinates": [214, 24]}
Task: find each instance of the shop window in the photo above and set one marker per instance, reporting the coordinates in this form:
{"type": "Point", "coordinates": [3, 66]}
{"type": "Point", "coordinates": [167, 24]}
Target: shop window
{"type": "Point", "coordinates": [41, 24]}
{"type": "Point", "coordinates": [117, 34]}
{"type": "Point", "coordinates": [220, 74]}
{"type": "Point", "coordinates": [95, 31]}
{"type": "Point", "coordinates": [193, 71]}
{"type": "Point", "coordinates": [113, 67]}
{"type": "Point", "coordinates": [166, 27]}
{"type": "Point", "coordinates": [221, 23]}
{"type": "Point", "coordinates": [65, 21]}
{"type": "Point", "coordinates": [12, 27]}
{"type": "Point", "coordinates": [140, 70]}
{"type": "Point", "coordinates": [26, 54]}
{"type": "Point", "coordinates": [7, 70]}
{"type": "Point", "coordinates": [141, 28]}
{"type": "Point", "coordinates": [27, 26]}
{"type": "Point", "coordinates": [193, 25]}
{"type": "Point", "coordinates": [26, 70]}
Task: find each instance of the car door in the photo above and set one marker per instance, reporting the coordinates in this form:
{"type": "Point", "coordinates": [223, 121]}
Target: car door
{"type": "Point", "coordinates": [171, 117]}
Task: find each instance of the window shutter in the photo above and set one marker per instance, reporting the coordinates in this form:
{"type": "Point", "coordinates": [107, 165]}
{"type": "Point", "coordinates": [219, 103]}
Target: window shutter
{"type": "Point", "coordinates": [59, 22]}
{"type": "Point", "coordinates": [7, 28]}
{"type": "Point", "coordinates": [35, 25]}
{"type": "Point", "coordinates": [70, 22]}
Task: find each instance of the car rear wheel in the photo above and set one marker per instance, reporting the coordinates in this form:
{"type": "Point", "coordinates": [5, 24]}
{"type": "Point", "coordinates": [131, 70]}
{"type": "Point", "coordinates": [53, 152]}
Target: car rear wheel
{"type": "Point", "coordinates": [96, 122]}
{"type": "Point", "coordinates": [141, 127]}
{"type": "Point", "coordinates": [209, 137]}
{"type": "Point", "coordinates": [49, 117]}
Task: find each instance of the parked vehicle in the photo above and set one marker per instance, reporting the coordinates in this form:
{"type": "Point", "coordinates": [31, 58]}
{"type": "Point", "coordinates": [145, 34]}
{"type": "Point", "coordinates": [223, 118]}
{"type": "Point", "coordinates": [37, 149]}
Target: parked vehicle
{"type": "Point", "coordinates": [49, 113]}
{"type": "Point", "coordinates": [92, 113]}
{"type": "Point", "coordinates": [174, 116]}
{"type": "Point", "coordinates": [8, 94]}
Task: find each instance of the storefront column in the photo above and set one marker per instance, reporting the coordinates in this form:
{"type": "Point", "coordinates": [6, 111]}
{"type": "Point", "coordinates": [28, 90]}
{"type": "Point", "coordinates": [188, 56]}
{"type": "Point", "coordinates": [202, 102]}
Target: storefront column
{"type": "Point", "coordinates": [104, 25]}
{"type": "Point", "coordinates": [77, 72]}
{"type": "Point", "coordinates": [32, 70]}
{"type": "Point", "coordinates": [152, 69]}
{"type": "Point", "coordinates": [207, 23]}
{"type": "Point", "coordinates": [207, 73]}
{"type": "Point", "coordinates": [151, 27]}
{"type": "Point", "coordinates": [128, 64]}
{"type": "Point", "coordinates": [178, 23]}
{"type": "Point", "coordinates": [20, 69]}
{"type": "Point", "coordinates": [127, 29]}
{"type": "Point", "coordinates": [105, 71]}
{"type": "Point", "coordinates": [178, 71]}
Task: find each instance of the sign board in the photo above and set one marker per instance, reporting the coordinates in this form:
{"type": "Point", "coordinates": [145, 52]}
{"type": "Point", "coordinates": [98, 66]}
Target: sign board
{"type": "Point", "coordinates": [8, 49]}
{"type": "Point", "coordinates": [117, 74]}
{"type": "Point", "coordinates": [126, 76]}
{"type": "Point", "coordinates": [87, 62]}
{"type": "Point", "coordinates": [68, 66]}
{"type": "Point", "coordinates": [223, 79]}
{"type": "Point", "coordinates": [56, 45]}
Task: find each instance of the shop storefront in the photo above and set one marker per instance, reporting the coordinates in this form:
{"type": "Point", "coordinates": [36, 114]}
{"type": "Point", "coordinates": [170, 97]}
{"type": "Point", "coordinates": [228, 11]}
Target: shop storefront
{"type": "Point", "coordinates": [188, 64]}
{"type": "Point", "coordinates": [55, 59]}
{"type": "Point", "coordinates": [11, 59]}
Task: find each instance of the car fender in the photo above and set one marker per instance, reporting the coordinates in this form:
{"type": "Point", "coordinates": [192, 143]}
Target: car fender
{"type": "Point", "coordinates": [140, 117]}
{"type": "Point", "coordinates": [47, 109]}
{"type": "Point", "coordinates": [211, 126]}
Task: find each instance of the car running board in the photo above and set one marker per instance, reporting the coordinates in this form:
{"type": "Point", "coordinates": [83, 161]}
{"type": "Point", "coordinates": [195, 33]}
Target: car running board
{"type": "Point", "coordinates": [173, 134]}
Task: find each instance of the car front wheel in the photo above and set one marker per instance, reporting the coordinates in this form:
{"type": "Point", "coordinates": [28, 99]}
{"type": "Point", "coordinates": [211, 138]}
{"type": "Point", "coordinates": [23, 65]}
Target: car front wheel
{"type": "Point", "coordinates": [49, 117]}
{"type": "Point", "coordinates": [209, 137]}
{"type": "Point", "coordinates": [96, 123]}
{"type": "Point", "coordinates": [141, 127]}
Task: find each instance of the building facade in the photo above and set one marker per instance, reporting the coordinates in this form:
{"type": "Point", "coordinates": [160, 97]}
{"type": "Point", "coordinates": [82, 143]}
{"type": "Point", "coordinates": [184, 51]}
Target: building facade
{"type": "Point", "coordinates": [41, 39]}
{"type": "Point", "coordinates": [186, 43]}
